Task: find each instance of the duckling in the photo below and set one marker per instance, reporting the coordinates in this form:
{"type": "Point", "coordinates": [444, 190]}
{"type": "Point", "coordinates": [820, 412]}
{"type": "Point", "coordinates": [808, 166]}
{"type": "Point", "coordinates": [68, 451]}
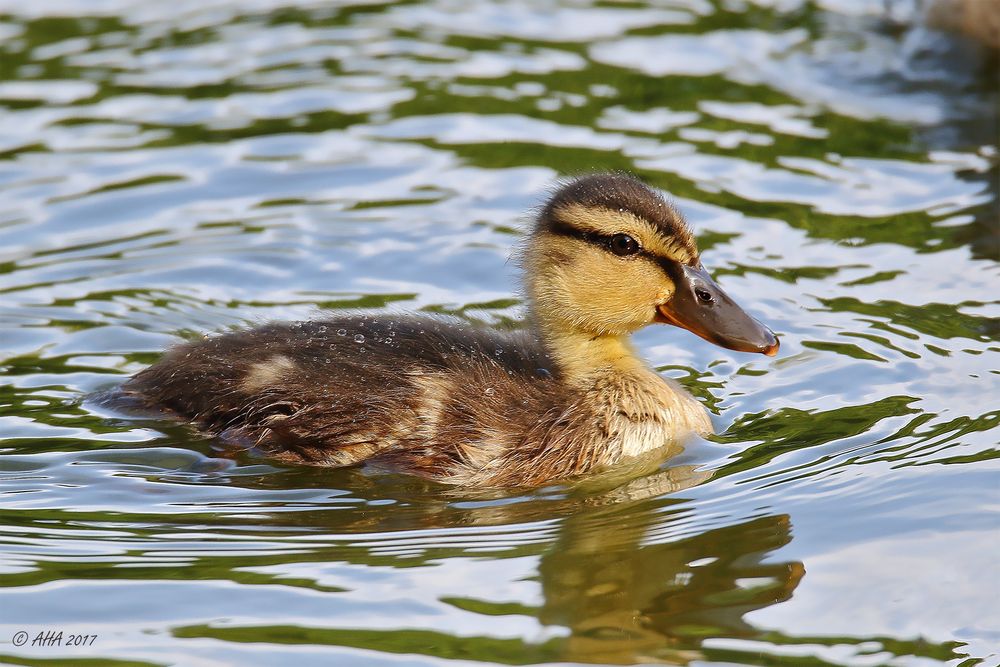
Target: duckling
{"type": "Point", "coordinates": [469, 405]}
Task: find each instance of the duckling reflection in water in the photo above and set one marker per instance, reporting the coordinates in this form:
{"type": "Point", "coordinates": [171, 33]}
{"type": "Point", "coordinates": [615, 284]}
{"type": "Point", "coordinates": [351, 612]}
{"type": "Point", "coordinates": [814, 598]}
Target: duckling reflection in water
{"type": "Point", "coordinates": [637, 586]}
{"type": "Point", "coordinates": [473, 406]}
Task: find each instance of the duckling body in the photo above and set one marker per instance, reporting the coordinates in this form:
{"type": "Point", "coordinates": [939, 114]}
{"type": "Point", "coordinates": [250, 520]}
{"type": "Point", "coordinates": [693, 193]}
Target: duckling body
{"type": "Point", "coordinates": [433, 396]}
{"type": "Point", "coordinates": [465, 404]}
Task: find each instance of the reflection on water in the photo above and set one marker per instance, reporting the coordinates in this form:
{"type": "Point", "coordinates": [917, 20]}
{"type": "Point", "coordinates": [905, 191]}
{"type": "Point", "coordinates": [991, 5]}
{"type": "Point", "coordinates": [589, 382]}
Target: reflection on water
{"type": "Point", "coordinates": [620, 603]}
{"type": "Point", "coordinates": [168, 169]}
{"type": "Point", "coordinates": [660, 601]}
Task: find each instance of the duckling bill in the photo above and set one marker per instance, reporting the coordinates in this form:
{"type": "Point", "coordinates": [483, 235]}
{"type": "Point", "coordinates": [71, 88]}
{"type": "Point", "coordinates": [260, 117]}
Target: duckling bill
{"type": "Point", "coordinates": [468, 405]}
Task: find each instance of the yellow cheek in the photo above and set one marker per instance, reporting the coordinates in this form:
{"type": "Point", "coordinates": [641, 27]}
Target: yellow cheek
{"type": "Point", "coordinates": [590, 290]}
{"type": "Point", "coordinates": [617, 295]}
{"type": "Point", "coordinates": [664, 295]}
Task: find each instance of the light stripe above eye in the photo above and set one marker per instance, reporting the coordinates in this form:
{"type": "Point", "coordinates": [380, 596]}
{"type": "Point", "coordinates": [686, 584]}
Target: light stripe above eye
{"type": "Point", "coordinates": [603, 220]}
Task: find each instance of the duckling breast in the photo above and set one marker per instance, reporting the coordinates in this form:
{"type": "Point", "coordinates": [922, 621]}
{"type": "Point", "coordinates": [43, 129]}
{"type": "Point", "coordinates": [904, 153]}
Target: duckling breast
{"type": "Point", "coordinates": [644, 412]}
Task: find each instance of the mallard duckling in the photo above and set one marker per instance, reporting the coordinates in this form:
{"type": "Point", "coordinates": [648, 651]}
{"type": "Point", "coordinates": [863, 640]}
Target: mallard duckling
{"type": "Point", "coordinates": [469, 405]}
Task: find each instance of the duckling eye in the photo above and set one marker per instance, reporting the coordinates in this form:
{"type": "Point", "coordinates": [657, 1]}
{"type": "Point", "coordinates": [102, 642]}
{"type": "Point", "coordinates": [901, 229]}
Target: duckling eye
{"type": "Point", "coordinates": [623, 244]}
{"type": "Point", "coordinates": [703, 295]}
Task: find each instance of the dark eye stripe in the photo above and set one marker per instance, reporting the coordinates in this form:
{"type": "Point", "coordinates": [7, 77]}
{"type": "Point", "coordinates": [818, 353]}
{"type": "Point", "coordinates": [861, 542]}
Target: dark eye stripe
{"type": "Point", "coordinates": [596, 238]}
{"type": "Point", "coordinates": [669, 266]}
{"type": "Point", "coordinates": [563, 229]}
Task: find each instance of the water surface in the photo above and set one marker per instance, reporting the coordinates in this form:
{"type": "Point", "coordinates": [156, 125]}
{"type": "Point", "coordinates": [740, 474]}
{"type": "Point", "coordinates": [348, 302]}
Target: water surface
{"type": "Point", "coordinates": [168, 169]}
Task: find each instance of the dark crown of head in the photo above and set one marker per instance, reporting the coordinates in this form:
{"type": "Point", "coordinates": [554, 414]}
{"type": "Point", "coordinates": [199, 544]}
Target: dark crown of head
{"type": "Point", "coordinates": [620, 192]}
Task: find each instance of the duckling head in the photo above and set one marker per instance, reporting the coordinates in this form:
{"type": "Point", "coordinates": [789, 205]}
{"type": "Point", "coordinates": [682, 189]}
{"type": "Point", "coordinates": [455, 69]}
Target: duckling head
{"type": "Point", "coordinates": [609, 255]}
